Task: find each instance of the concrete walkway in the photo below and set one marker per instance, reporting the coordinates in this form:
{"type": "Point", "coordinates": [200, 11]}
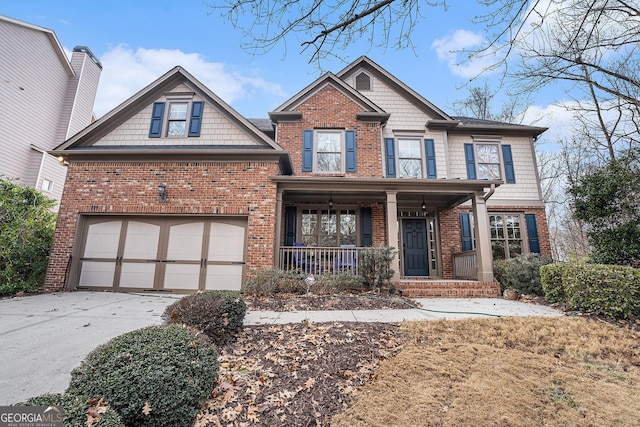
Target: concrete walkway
{"type": "Point", "coordinates": [43, 337]}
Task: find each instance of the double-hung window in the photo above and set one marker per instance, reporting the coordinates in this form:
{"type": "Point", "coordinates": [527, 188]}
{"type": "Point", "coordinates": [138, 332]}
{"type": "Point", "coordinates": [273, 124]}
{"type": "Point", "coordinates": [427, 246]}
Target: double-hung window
{"type": "Point", "coordinates": [409, 158]}
{"type": "Point", "coordinates": [177, 118]}
{"type": "Point", "coordinates": [331, 151]}
{"type": "Point", "coordinates": [329, 148]}
{"type": "Point", "coordinates": [488, 161]}
{"type": "Point", "coordinates": [506, 235]}
{"type": "Point", "coordinates": [484, 161]}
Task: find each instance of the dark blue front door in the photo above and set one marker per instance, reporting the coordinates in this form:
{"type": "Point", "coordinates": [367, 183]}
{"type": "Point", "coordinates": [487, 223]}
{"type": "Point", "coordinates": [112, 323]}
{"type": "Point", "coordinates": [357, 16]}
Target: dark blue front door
{"type": "Point", "coordinates": [414, 241]}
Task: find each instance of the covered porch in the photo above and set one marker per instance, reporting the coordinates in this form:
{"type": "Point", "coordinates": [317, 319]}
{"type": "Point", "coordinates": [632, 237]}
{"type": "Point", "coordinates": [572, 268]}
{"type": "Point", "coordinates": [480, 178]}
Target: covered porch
{"type": "Point", "coordinates": [324, 223]}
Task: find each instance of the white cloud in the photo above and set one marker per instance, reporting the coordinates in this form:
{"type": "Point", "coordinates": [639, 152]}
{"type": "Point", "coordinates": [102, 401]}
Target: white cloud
{"type": "Point", "coordinates": [126, 71]}
{"type": "Point", "coordinates": [451, 49]}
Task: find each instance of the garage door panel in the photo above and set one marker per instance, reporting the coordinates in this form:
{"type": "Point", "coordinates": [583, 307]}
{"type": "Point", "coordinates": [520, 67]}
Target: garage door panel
{"type": "Point", "coordinates": [142, 240]}
{"type": "Point", "coordinates": [102, 240]}
{"type": "Point", "coordinates": [182, 276]}
{"type": "Point", "coordinates": [137, 275]}
{"type": "Point", "coordinates": [226, 242]}
{"type": "Point", "coordinates": [185, 241]}
{"type": "Point", "coordinates": [97, 273]}
{"type": "Point", "coordinates": [224, 277]}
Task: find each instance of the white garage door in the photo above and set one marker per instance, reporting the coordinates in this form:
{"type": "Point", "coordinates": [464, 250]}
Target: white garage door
{"type": "Point", "coordinates": [154, 253]}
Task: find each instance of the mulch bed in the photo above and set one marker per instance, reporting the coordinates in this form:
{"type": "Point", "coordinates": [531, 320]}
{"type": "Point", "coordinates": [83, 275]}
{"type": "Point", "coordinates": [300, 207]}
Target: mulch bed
{"type": "Point", "coordinates": [296, 374]}
{"type": "Point", "coordinates": [365, 301]}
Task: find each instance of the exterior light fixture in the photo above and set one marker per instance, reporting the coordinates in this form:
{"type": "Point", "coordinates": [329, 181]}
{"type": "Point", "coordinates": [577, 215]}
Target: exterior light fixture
{"type": "Point", "coordinates": [62, 161]}
{"type": "Point", "coordinates": [330, 203]}
{"type": "Point", "coordinates": [423, 205]}
{"type": "Point", "coordinates": [162, 192]}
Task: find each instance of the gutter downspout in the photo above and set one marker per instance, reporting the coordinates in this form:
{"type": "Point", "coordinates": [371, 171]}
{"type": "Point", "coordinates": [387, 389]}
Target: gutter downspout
{"type": "Point", "coordinates": [489, 193]}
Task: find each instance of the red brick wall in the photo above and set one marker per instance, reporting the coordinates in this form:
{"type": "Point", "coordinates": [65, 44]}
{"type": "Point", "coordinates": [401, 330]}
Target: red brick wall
{"type": "Point", "coordinates": [207, 188]}
{"type": "Point", "coordinates": [330, 108]}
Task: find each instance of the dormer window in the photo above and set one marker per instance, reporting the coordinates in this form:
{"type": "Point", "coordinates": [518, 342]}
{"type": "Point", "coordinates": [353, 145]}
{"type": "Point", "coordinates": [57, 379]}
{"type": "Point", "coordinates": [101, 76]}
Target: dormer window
{"type": "Point", "coordinates": [363, 82]}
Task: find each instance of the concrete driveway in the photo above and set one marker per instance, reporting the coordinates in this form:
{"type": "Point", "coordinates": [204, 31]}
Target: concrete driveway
{"type": "Point", "coordinates": [43, 337]}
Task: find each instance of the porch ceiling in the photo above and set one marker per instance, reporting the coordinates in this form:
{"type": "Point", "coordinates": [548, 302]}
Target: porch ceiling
{"type": "Point", "coordinates": [409, 192]}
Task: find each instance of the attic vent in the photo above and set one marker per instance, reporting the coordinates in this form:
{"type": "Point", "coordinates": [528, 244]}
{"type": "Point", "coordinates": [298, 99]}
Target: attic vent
{"type": "Point", "coordinates": [363, 82]}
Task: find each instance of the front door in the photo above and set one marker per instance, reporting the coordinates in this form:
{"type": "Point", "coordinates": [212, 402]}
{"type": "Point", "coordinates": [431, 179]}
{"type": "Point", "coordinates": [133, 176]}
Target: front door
{"type": "Point", "coordinates": [414, 244]}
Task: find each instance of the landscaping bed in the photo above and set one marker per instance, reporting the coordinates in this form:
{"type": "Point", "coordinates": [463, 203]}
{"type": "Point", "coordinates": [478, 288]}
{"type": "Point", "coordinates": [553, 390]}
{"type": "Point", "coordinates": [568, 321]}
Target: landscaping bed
{"type": "Point", "coordinates": [364, 301]}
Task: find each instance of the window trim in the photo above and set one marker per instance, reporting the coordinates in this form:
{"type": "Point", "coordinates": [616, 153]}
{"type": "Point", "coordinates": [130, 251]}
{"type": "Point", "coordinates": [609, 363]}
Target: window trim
{"type": "Point", "coordinates": [320, 209]}
{"type": "Point", "coordinates": [355, 81]}
{"type": "Point", "coordinates": [168, 121]}
{"type": "Point", "coordinates": [49, 188]}
{"type": "Point", "coordinates": [423, 156]}
{"type": "Point", "coordinates": [524, 231]}
{"type": "Point", "coordinates": [343, 150]}
{"type": "Point", "coordinates": [498, 152]}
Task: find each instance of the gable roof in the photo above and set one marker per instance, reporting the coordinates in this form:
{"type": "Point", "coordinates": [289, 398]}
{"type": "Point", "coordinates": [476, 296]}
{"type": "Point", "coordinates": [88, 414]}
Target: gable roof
{"type": "Point", "coordinates": [80, 146]}
{"type": "Point", "coordinates": [55, 43]}
{"type": "Point", "coordinates": [286, 110]}
{"type": "Point", "coordinates": [393, 81]}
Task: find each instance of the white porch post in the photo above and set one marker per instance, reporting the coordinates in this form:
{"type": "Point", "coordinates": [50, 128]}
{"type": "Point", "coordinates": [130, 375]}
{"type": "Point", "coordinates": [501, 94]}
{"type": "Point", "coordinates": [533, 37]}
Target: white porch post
{"type": "Point", "coordinates": [484, 256]}
{"type": "Point", "coordinates": [392, 231]}
{"type": "Point", "coordinates": [278, 229]}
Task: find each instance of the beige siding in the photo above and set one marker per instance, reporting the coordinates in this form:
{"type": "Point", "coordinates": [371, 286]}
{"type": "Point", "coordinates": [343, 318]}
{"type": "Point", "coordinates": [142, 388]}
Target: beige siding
{"type": "Point", "coordinates": [33, 84]}
{"type": "Point", "coordinates": [217, 129]}
{"type": "Point", "coordinates": [526, 185]}
{"type": "Point", "coordinates": [82, 92]}
{"type": "Point", "coordinates": [54, 172]}
{"type": "Point", "coordinates": [405, 116]}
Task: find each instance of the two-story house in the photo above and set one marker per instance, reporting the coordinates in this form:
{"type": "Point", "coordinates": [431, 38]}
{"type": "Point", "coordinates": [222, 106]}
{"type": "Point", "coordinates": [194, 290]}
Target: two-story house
{"type": "Point", "coordinates": [174, 190]}
{"type": "Point", "coordinates": [44, 99]}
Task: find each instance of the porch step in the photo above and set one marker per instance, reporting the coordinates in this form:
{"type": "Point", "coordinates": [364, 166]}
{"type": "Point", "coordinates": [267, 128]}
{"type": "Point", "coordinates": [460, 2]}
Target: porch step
{"type": "Point", "coordinates": [448, 288]}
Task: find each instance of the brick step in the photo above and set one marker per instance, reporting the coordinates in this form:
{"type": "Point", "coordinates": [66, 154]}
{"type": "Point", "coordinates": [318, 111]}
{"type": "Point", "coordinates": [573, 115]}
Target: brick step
{"type": "Point", "coordinates": [448, 289]}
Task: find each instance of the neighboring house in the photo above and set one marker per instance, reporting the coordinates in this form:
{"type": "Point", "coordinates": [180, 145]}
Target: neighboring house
{"type": "Point", "coordinates": [44, 99]}
{"type": "Point", "coordinates": [173, 190]}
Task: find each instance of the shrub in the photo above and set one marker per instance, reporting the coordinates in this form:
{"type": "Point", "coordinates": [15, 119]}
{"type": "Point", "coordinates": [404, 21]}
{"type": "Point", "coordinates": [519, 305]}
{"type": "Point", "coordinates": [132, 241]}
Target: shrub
{"type": "Point", "coordinates": [374, 266]}
{"type": "Point", "coordinates": [155, 376]}
{"type": "Point", "coordinates": [336, 283]}
{"type": "Point", "coordinates": [26, 226]}
{"type": "Point", "coordinates": [77, 408]}
{"type": "Point", "coordinates": [610, 290]}
{"type": "Point", "coordinates": [272, 281]}
{"type": "Point", "coordinates": [219, 314]}
{"type": "Point", "coordinates": [521, 273]}
{"type": "Point", "coordinates": [551, 277]}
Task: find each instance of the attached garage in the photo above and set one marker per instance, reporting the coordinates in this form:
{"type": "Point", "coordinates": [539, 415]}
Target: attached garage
{"type": "Point", "coordinates": [155, 253]}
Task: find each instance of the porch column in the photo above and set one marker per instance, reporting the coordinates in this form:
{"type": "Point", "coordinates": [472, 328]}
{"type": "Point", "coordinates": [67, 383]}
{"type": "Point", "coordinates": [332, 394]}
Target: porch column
{"type": "Point", "coordinates": [278, 229]}
{"type": "Point", "coordinates": [392, 231]}
{"type": "Point", "coordinates": [484, 256]}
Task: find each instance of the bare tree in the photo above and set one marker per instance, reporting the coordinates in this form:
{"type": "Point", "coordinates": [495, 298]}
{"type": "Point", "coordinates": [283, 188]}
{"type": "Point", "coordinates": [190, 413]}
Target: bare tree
{"type": "Point", "coordinates": [479, 104]}
{"type": "Point", "coordinates": [321, 27]}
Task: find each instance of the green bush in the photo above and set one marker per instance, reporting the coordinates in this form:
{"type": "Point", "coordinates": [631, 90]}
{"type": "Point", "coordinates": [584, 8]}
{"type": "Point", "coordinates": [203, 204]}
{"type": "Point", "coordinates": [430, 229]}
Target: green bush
{"type": "Point", "coordinates": [374, 266]}
{"type": "Point", "coordinates": [26, 229]}
{"type": "Point", "coordinates": [610, 290]}
{"type": "Point", "coordinates": [551, 276]}
{"type": "Point", "coordinates": [521, 273]}
{"type": "Point", "coordinates": [170, 370]}
{"type": "Point", "coordinates": [273, 281]}
{"type": "Point", "coordinates": [219, 314]}
{"type": "Point", "coordinates": [75, 409]}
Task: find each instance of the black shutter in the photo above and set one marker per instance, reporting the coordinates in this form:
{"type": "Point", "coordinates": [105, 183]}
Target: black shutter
{"type": "Point", "coordinates": [157, 114]}
{"type": "Point", "coordinates": [289, 225]}
{"type": "Point", "coordinates": [366, 227]}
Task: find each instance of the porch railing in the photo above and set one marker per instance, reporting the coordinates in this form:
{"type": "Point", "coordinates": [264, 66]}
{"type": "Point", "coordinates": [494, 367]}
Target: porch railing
{"type": "Point", "coordinates": [319, 260]}
{"type": "Point", "coordinates": [464, 266]}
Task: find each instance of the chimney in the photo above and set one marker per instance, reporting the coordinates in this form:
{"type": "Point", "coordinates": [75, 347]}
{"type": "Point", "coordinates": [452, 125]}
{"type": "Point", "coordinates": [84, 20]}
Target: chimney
{"type": "Point", "coordinates": [81, 92]}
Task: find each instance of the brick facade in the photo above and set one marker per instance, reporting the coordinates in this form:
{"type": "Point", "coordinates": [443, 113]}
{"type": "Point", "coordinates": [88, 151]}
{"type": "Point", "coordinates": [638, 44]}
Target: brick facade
{"type": "Point", "coordinates": [240, 189]}
{"type": "Point", "coordinates": [331, 109]}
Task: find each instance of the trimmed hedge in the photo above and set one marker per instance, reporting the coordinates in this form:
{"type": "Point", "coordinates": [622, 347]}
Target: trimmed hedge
{"type": "Point", "coordinates": [219, 314]}
{"type": "Point", "coordinates": [610, 290]}
{"type": "Point", "coordinates": [521, 273]}
{"type": "Point", "coordinates": [552, 284]}
{"type": "Point", "coordinates": [169, 370]}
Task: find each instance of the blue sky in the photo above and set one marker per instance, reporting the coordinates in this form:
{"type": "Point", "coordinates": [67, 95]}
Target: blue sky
{"type": "Point", "coordinates": [137, 41]}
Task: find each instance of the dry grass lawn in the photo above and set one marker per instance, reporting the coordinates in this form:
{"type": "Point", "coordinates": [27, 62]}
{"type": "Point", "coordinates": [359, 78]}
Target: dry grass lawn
{"type": "Point", "coordinates": [506, 372]}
